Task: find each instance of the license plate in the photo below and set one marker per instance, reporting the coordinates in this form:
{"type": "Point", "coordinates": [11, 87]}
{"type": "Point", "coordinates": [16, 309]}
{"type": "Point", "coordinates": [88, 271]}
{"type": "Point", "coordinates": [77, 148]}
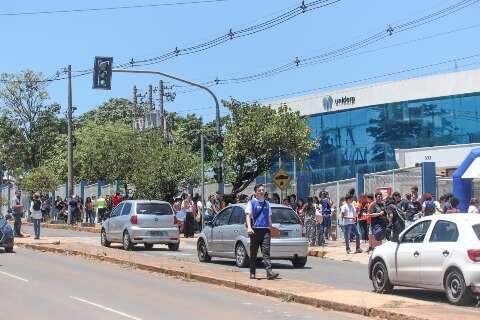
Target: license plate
{"type": "Point", "coordinates": [158, 233]}
{"type": "Point", "coordinates": [283, 234]}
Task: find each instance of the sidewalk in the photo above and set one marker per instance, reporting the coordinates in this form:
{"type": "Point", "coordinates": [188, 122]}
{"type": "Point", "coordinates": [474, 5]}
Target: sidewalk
{"type": "Point", "coordinates": [334, 250]}
{"type": "Point", "coordinates": [363, 303]}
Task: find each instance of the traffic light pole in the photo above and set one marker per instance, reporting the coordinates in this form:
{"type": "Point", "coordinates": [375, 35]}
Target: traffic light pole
{"type": "Point", "coordinates": [221, 187]}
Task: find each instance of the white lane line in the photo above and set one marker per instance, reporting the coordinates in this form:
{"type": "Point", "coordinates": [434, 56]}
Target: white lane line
{"type": "Point", "coordinates": [13, 276]}
{"type": "Point", "coordinates": [105, 308]}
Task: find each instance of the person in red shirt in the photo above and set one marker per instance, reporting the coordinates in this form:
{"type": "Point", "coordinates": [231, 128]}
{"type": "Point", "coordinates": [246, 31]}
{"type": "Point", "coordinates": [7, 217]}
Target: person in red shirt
{"type": "Point", "coordinates": [116, 199]}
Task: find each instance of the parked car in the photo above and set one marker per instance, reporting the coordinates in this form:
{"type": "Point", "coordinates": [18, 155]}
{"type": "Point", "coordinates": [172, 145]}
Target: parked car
{"type": "Point", "coordinates": [141, 221]}
{"type": "Point", "coordinates": [439, 252]}
{"type": "Point", "coordinates": [226, 237]}
{"type": "Point", "coordinates": [6, 234]}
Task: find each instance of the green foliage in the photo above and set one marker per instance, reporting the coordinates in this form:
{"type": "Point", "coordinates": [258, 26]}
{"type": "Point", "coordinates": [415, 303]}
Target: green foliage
{"type": "Point", "coordinates": [103, 152]}
{"type": "Point", "coordinates": [28, 124]}
{"type": "Point", "coordinates": [40, 179]}
{"type": "Point", "coordinates": [162, 171]}
{"type": "Point", "coordinates": [115, 110]}
{"type": "Point", "coordinates": [256, 135]}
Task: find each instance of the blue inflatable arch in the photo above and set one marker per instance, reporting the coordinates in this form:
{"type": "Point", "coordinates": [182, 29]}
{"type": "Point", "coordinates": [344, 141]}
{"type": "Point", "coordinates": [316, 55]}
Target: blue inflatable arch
{"type": "Point", "coordinates": [462, 187]}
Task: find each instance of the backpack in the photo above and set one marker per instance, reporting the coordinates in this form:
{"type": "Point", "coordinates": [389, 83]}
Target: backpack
{"type": "Point", "coordinates": [429, 208]}
{"type": "Point", "coordinates": [37, 204]}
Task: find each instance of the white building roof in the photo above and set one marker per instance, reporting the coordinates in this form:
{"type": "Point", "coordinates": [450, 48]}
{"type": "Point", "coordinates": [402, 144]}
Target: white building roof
{"type": "Point", "coordinates": [440, 85]}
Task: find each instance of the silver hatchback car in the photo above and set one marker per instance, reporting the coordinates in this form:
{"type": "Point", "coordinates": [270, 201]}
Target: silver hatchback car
{"type": "Point", "coordinates": [141, 221]}
{"type": "Point", "coordinates": [439, 252]}
{"type": "Point", "coordinates": [226, 237]}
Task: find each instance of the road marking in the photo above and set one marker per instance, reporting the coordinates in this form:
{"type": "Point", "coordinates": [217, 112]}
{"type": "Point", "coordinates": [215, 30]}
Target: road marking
{"type": "Point", "coordinates": [13, 276]}
{"type": "Point", "coordinates": [105, 308]}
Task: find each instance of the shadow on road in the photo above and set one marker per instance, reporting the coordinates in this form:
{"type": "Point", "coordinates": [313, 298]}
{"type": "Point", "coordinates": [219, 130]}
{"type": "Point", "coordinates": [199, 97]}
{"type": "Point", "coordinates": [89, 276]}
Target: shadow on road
{"type": "Point", "coordinates": [275, 265]}
{"type": "Point", "coordinates": [425, 295]}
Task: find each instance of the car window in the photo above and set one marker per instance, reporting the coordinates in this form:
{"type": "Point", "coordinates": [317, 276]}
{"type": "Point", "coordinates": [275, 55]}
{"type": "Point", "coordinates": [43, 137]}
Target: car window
{"type": "Point", "coordinates": [444, 231]}
{"type": "Point", "coordinates": [126, 209]}
{"type": "Point", "coordinates": [223, 217]}
{"type": "Point", "coordinates": [417, 233]}
{"type": "Point", "coordinates": [284, 216]}
{"type": "Point", "coordinates": [157, 209]}
{"type": "Point", "coordinates": [116, 211]}
{"type": "Point", "coordinates": [238, 216]}
{"type": "Point", "coordinates": [476, 228]}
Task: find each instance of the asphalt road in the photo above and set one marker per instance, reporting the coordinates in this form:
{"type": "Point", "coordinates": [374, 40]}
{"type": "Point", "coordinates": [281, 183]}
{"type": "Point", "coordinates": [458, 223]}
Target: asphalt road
{"type": "Point", "coordinates": [41, 286]}
{"type": "Point", "coordinates": [342, 275]}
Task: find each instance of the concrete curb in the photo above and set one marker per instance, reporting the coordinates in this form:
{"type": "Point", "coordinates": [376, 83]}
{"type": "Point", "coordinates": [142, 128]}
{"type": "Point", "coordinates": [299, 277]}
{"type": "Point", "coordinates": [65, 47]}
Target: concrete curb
{"type": "Point", "coordinates": [65, 227]}
{"type": "Point", "coordinates": [284, 295]}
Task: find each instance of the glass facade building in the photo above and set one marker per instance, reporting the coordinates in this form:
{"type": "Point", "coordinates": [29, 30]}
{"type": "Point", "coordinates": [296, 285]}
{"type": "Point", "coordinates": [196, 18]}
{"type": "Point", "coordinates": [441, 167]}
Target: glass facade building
{"type": "Point", "coordinates": [364, 139]}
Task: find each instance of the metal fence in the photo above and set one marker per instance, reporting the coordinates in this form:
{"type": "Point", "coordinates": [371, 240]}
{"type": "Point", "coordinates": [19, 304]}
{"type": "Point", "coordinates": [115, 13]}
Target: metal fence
{"type": "Point", "coordinates": [9, 193]}
{"type": "Point", "coordinates": [400, 180]}
{"type": "Point", "coordinates": [90, 190]}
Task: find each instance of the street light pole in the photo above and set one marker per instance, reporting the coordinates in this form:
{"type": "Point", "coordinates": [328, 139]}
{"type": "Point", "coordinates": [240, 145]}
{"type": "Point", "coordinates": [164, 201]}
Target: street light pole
{"type": "Point", "coordinates": [217, 105]}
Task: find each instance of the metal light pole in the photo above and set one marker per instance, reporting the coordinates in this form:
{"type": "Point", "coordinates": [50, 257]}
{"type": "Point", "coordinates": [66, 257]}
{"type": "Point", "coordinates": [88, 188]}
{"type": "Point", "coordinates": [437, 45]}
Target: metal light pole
{"type": "Point", "coordinates": [202, 151]}
{"type": "Point", "coordinates": [221, 187]}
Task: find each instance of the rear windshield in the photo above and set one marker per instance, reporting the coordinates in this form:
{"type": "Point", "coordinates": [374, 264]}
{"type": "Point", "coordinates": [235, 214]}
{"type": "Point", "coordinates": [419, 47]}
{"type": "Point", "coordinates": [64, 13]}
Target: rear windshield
{"type": "Point", "coordinates": [284, 216]}
{"type": "Point", "coordinates": [158, 209]}
{"type": "Point", "coordinates": [476, 228]}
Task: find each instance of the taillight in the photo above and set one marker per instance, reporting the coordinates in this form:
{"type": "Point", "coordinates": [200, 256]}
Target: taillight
{"type": "Point", "coordinates": [474, 255]}
{"type": "Point", "coordinates": [134, 219]}
{"type": "Point", "coordinates": [175, 220]}
{"type": "Point", "coordinates": [303, 233]}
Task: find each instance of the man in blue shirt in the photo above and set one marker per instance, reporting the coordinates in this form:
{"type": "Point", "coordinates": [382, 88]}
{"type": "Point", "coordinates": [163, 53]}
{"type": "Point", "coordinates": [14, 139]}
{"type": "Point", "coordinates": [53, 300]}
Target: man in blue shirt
{"type": "Point", "coordinates": [259, 221]}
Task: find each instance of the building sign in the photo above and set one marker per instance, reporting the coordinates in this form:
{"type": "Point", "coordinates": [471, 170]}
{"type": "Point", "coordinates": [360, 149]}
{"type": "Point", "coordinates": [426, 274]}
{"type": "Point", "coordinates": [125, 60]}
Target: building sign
{"type": "Point", "coordinates": [328, 102]}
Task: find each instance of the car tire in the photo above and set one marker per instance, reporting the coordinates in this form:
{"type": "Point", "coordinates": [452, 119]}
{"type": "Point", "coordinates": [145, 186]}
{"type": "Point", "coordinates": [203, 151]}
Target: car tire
{"type": "Point", "coordinates": [103, 239]}
{"type": "Point", "coordinates": [456, 289]}
{"type": "Point", "coordinates": [127, 243]}
{"type": "Point", "coordinates": [241, 256]}
{"type": "Point", "coordinates": [202, 251]}
{"type": "Point", "coordinates": [9, 249]}
{"type": "Point", "coordinates": [173, 246]}
{"type": "Point", "coordinates": [148, 246]}
{"type": "Point", "coordinates": [381, 282]}
{"type": "Point", "coordinates": [299, 262]}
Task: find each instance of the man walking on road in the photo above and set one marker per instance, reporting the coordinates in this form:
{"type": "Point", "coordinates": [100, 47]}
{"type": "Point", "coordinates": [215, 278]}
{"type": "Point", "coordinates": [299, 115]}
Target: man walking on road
{"type": "Point", "coordinates": [259, 221]}
{"type": "Point", "coordinates": [17, 208]}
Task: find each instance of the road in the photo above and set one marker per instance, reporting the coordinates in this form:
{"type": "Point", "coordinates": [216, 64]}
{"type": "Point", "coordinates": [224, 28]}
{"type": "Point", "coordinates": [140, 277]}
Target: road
{"type": "Point", "coordinates": [41, 286]}
{"type": "Point", "coordinates": [338, 274]}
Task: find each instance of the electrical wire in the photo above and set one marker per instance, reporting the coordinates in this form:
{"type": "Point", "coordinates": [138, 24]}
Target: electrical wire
{"type": "Point", "coordinates": [139, 6]}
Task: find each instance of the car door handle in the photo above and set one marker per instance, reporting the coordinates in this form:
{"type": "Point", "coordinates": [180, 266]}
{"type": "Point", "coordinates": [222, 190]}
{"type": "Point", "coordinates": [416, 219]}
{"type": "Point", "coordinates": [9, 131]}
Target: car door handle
{"type": "Point", "coordinates": [236, 231]}
{"type": "Point", "coordinates": [416, 254]}
{"type": "Point", "coordinates": [445, 253]}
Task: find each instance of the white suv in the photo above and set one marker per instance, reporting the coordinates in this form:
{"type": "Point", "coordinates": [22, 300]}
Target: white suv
{"type": "Point", "coordinates": [439, 252]}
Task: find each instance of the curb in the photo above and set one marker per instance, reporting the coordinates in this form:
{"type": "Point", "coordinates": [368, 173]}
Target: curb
{"type": "Point", "coordinates": [283, 295]}
{"type": "Point", "coordinates": [65, 227]}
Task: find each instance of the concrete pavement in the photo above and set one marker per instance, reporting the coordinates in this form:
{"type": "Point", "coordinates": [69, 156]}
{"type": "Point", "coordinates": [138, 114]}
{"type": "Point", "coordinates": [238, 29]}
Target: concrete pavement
{"type": "Point", "coordinates": [46, 286]}
{"type": "Point", "coordinates": [313, 294]}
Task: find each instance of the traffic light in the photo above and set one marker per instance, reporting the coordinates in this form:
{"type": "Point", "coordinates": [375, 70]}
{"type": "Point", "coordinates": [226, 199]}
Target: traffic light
{"type": "Point", "coordinates": [102, 73]}
{"type": "Point", "coordinates": [217, 174]}
{"type": "Point", "coordinates": [220, 152]}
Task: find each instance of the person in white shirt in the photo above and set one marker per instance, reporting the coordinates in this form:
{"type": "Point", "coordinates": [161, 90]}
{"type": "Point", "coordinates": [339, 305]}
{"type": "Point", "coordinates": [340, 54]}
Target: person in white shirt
{"type": "Point", "coordinates": [36, 214]}
{"type": "Point", "coordinates": [349, 216]}
{"type": "Point", "coordinates": [473, 208]}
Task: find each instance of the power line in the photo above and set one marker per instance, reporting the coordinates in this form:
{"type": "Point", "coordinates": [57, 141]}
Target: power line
{"type": "Point", "coordinates": [139, 6]}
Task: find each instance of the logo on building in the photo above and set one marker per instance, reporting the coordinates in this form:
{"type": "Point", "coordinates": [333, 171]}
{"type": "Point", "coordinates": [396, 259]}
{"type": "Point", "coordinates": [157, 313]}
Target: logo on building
{"type": "Point", "coordinates": [327, 103]}
{"type": "Point", "coordinates": [343, 101]}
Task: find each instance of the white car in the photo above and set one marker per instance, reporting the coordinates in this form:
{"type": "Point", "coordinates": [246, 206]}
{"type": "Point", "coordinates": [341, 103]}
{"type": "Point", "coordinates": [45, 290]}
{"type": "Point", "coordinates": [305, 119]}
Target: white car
{"type": "Point", "coordinates": [439, 252]}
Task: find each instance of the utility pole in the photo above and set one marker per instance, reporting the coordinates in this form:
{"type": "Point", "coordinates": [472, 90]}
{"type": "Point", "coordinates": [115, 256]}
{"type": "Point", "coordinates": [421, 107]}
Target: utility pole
{"type": "Point", "coordinates": [202, 151]}
{"type": "Point", "coordinates": [150, 98]}
{"type": "Point", "coordinates": [135, 106]}
{"type": "Point", "coordinates": [70, 138]}
{"type": "Point", "coordinates": [161, 90]}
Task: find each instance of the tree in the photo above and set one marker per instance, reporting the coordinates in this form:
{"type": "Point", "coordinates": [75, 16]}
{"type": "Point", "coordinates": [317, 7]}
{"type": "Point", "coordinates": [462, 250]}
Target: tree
{"type": "Point", "coordinates": [162, 171]}
{"type": "Point", "coordinates": [40, 179]}
{"type": "Point", "coordinates": [115, 110]}
{"type": "Point", "coordinates": [31, 123]}
{"type": "Point", "coordinates": [256, 134]}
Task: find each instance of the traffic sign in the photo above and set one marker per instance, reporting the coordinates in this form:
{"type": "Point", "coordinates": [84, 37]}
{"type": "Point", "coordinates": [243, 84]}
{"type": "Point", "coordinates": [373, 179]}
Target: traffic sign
{"type": "Point", "coordinates": [281, 179]}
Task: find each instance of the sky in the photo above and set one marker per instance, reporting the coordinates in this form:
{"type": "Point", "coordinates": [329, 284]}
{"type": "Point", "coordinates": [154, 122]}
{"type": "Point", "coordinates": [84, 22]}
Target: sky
{"type": "Point", "coordinates": [49, 42]}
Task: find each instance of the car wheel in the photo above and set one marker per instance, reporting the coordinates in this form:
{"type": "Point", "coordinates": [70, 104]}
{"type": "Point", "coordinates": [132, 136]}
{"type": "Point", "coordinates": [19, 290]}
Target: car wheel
{"type": "Point", "coordinates": [457, 291]}
{"type": "Point", "coordinates": [241, 256]}
{"type": "Point", "coordinates": [9, 249]}
{"type": "Point", "coordinates": [299, 262]}
{"type": "Point", "coordinates": [381, 282]}
{"type": "Point", "coordinates": [148, 246]}
{"type": "Point", "coordinates": [202, 251]}
{"type": "Point", "coordinates": [103, 239]}
{"type": "Point", "coordinates": [173, 246]}
{"type": "Point", "coordinates": [127, 243]}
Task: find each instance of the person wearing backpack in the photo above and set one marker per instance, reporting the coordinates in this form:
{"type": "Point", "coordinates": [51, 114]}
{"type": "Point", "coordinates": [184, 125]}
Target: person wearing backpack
{"type": "Point", "coordinates": [36, 214]}
{"type": "Point", "coordinates": [428, 206]}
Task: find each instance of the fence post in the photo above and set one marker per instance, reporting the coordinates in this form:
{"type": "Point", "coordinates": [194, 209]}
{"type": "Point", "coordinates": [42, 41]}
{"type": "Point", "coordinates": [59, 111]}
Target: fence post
{"type": "Point", "coordinates": [99, 188]}
{"type": "Point", "coordinates": [82, 190]}
{"type": "Point", "coordinates": [429, 181]}
{"type": "Point", "coordinates": [359, 184]}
